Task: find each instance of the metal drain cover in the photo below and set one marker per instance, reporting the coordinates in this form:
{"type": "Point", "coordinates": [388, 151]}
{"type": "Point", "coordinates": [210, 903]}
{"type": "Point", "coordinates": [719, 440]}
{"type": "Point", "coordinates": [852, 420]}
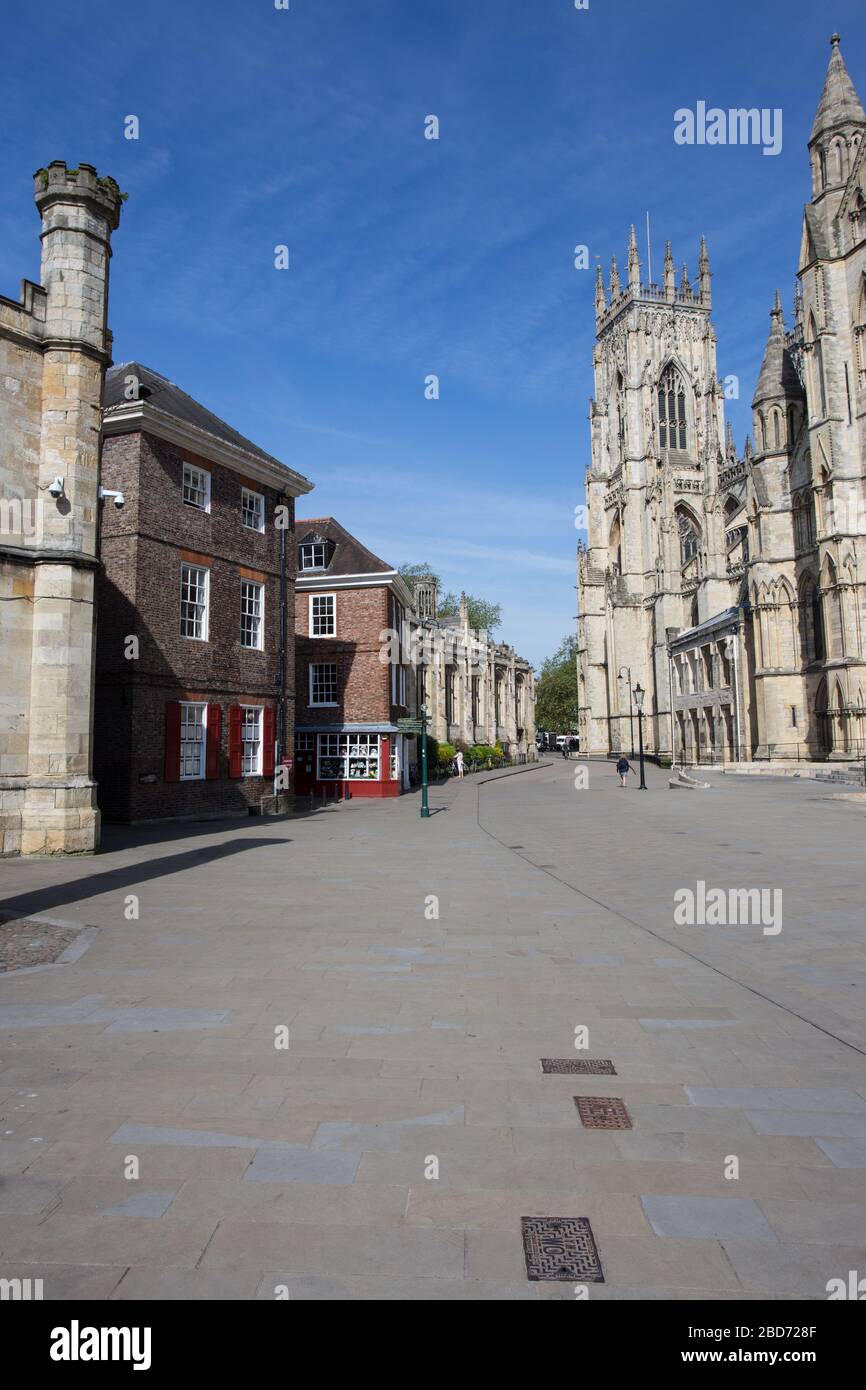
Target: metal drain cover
{"type": "Point", "coordinates": [579, 1066]}
{"type": "Point", "coordinates": [602, 1112]}
{"type": "Point", "coordinates": [560, 1247]}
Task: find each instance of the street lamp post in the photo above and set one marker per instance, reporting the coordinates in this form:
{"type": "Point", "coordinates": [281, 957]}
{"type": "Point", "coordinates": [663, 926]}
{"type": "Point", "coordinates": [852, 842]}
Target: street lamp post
{"type": "Point", "coordinates": [623, 672]}
{"type": "Point", "coordinates": [638, 699]}
{"type": "Point", "coordinates": [424, 714]}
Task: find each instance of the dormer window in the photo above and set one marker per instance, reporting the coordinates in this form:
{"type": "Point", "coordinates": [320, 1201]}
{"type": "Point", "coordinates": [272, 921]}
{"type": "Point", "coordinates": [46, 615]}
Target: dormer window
{"type": "Point", "coordinates": [313, 555]}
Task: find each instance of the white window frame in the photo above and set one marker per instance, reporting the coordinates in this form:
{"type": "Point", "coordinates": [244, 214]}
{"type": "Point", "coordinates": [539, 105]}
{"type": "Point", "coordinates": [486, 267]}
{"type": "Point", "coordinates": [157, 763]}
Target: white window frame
{"type": "Point", "coordinates": [201, 743]}
{"type": "Point", "coordinates": [314, 546]}
{"type": "Point", "coordinates": [203, 485]}
{"type": "Point", "coordinates": [204, 602]}
{"type": "Point", "coordinates": [252, 717]}
{"type": "Point", "coordinates": [314, 598]}
{"type": "Point", "coordinates": [351, 753]}
{"type": "Point", "coordinates": [259, 644]}
{"type": "Point", "coordinates": [257, 510]}
{"type": "Point", "coordinates": [317, 665]}
{"type": "Point", "coordinates": [304, 744]}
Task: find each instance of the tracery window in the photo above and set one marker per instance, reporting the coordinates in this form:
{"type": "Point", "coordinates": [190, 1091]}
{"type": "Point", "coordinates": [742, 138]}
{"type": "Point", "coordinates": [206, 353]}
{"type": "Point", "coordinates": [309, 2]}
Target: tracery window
{"type": "Point", "coordinates": [672, 410]}
{"type": "Point", "coordinates": [689, 538]}
{"type": "Point", "coordinates": [620, 416]}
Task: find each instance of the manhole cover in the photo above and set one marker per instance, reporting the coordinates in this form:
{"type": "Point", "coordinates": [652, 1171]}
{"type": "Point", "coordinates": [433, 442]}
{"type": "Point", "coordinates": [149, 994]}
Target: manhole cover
{"type": "Point", "coordinates": [602, 1112]}
{"type": "Point", "coordinates": [560, 1247]}
{"type": "Point", "coordinates": [580, 1066]}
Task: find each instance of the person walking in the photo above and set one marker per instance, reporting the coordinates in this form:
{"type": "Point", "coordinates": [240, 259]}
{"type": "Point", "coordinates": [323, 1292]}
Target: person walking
{"type": "Point", "coordinates": [623, 767]}
{"type": "Point", "coordinates": [458, 762]}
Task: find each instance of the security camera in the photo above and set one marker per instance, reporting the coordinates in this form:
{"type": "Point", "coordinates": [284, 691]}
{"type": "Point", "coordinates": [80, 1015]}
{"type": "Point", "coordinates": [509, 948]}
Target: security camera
{"type": "Point", "coordinates": [117, 497]}
{"type": "Point", "coordinates": [56, 488]}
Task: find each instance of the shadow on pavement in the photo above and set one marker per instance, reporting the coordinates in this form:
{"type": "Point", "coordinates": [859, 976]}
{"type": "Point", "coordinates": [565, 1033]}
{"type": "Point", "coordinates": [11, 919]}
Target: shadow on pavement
{"type": "Point", "coordinates": [40, 900]}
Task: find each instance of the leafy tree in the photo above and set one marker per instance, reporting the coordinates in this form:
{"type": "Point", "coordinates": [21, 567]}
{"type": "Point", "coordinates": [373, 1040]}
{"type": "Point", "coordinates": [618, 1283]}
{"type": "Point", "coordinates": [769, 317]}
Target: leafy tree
{"type": "Point", "coordinates": [410, 574]}
{"type": "Point", "coordinates": [556, 706]}
{"type": "Point", "coordinates": [483, 615]}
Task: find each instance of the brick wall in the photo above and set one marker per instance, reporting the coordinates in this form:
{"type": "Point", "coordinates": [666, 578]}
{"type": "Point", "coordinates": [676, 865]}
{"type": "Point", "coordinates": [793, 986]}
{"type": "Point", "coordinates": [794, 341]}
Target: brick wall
{"type": "Point", "coordinates": [139, 595]}
{"type": "Point", "coordinates": [363, 690]}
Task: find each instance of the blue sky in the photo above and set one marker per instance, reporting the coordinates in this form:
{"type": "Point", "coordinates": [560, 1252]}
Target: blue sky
{"type": "Point", "coordinates": [408, 257]}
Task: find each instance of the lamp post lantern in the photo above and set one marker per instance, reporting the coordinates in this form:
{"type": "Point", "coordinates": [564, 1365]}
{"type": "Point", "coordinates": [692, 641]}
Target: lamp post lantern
{"type": "Point", "coordinates": [638, 699]}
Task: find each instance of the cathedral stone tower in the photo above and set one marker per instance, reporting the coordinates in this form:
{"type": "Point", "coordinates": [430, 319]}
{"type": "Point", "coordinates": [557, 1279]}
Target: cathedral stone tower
{"type": "Point", "coordinates": [744, 578]}
{"type": "Point", "coordinates": [54, 348]}
{"type": "Point", "coordinates": [655, 553]}
{"type": "Point", "coordinates": [829, 469]}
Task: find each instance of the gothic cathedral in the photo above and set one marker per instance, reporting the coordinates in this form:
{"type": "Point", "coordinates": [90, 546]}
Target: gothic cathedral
{"type": "Point", "coordinates": [731, 590]}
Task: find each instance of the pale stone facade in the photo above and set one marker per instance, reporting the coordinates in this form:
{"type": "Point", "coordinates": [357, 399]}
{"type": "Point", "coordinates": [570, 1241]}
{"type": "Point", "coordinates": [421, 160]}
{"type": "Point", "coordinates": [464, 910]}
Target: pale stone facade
{"type": "Point", "coordinates": [54, 349]}
{"type": "Point", "coordinates": [743, 578]}
{"type": "Point", "coordinates": [477, 691]}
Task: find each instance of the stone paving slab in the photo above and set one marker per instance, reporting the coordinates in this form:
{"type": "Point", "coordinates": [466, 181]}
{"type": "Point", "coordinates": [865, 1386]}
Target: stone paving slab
{"type": "Point", "coordinates": [414, 1040]}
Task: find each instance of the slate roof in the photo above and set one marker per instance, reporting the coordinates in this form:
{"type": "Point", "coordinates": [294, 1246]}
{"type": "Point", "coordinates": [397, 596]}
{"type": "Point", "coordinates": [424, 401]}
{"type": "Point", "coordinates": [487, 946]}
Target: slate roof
{"type": "Point", "coordinates": [162, 395]}
{"type": "Point", "coordinates": [349, 556]}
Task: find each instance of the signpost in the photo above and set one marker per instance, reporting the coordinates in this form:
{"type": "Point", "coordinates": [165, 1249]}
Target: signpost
{"type": "Point", "coordinates": [419, 726]}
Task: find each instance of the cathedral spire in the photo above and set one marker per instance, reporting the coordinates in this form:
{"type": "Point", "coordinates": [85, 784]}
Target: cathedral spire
{"type": "Point", "coordinates": [704, 273]}
{"type": "Point", "coordinates": [730, 446]}
{"type": "Point", "coordinates": [670, 273]}
{"type": "Point", "coordinates": [778, 379]}
{"type": "Point", "coordinates": [685, 283]}
{"type": "Point", "coordinates": [839, 104]}
{"type": "Point", "coordinates": [633, 261]}
{"type": "Point", "coordinates": [614, 280]}
{"type": "Point", "coordinates": [600, 301]}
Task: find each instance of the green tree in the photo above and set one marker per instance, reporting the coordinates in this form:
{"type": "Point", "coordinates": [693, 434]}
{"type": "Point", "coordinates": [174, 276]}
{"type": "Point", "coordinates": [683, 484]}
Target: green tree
{"type": "Point", "coordinates": [556, 707]}
{"type": "Point", "coordinates": [483, 615]}
{"type": "Point", "coordinates": [410, 574]}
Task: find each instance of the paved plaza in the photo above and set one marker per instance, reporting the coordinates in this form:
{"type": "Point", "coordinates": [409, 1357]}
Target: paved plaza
{"type": "Point", "coordinates": [423, 969]}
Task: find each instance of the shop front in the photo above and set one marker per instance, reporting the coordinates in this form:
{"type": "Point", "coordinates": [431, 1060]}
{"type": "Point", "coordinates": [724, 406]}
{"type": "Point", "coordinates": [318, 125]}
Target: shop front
{"type": "Point", "coordinates": [349, 762]}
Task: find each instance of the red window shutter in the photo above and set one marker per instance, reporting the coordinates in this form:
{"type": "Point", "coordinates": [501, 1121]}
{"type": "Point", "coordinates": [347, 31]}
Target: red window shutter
{"type": "Point", "coordinates": [171, 772]}
{"type": "Point", "coordinates": [268, 728]}
{"type": "Point", "coordinates": [236, 760]}
{"type": "Point", "coordinates": [214, 736]}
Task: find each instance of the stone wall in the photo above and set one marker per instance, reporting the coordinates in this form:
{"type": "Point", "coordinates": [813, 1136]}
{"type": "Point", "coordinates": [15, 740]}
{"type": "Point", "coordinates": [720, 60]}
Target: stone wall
{"type": "Point", "coordinates": [54, 349]}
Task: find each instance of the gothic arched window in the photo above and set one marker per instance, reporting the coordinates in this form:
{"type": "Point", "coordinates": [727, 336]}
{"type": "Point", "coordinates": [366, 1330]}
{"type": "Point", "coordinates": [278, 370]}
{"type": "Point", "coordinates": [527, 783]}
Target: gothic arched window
{"type": "Point", "coordinates": [818, 394]}
{"type": "Point", "coordinates": [860, 327]}
{"type": "Point", "coordinates": [690, 537]}
{"type": "Point", "coordinates": [672, 410]}
{"type": "Point", "coordinates": [620, 415]}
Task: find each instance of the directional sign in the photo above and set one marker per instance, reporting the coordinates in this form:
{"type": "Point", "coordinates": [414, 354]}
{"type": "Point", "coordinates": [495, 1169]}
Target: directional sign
{"type": "Point", "coordinates": [409, 726]}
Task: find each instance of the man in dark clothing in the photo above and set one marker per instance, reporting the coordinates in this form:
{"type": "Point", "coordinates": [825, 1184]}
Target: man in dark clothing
{"type": "Point", "coordinates": [623, 767]}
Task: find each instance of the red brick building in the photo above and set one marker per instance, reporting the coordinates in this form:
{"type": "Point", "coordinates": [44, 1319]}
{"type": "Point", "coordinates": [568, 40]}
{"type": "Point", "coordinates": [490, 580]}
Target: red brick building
{"type": "Point", "coordinates": [195, 605]}
{"type": "Point", "coordinates": [347, 698]}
